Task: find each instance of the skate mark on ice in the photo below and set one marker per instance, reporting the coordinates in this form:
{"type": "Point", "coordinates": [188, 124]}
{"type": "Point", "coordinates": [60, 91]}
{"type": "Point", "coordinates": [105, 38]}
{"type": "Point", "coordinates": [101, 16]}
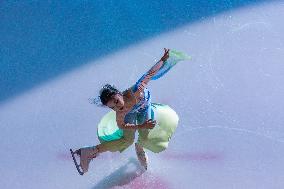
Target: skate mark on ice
{"type": "Point", "coordinates": [194, 156]}
{"type": "Point", "coordinates": [240, 130]}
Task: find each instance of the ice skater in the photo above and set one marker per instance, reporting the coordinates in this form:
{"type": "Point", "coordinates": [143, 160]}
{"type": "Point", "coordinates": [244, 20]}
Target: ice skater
{"type": "Point", "coordinates": [133, 111]}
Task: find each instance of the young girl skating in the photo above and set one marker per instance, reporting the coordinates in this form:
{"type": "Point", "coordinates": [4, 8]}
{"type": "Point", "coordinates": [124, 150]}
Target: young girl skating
{"type": "Point", "coordinates": [133, 110]}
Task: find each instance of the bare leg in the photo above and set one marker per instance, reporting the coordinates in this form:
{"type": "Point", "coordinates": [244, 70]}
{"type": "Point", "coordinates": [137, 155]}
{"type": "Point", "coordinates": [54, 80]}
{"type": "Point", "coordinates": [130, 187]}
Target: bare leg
{"type": "Point", "coordinates": [86, 154]}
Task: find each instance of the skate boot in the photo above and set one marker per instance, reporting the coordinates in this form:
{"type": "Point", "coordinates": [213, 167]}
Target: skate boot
{"type": "Point", "coordinates": [86, 154]}
{"type": "Point", "coordinates": [141, 155]}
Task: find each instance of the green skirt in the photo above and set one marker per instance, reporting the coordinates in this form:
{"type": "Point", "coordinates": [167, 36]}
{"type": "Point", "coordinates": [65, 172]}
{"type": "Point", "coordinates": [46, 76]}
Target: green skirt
{"type": "Point", "coordinates": [157, 139]}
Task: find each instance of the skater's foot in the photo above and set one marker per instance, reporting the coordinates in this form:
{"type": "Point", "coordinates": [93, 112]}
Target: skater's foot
{"type": "Point", "coordinates": [86, 155]}
{"type": "Point", "coordinates": [141, 155]}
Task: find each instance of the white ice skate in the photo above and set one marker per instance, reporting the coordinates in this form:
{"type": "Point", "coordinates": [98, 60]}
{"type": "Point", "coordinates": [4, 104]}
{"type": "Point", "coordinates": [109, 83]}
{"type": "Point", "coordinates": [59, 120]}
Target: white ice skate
{"type": "Point", "coordinates": [141, 155]}
{"type": "Point", "coordinates": [86, 154]}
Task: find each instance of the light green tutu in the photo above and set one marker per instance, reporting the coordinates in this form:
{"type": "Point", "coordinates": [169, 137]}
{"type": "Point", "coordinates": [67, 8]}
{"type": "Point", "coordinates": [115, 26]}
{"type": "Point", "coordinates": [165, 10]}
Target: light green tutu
{"type": "Point", "coordinates": [158, 137]}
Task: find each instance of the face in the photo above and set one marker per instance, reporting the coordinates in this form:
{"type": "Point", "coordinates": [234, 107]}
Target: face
{"type": "Point", "coordinates": [116, 102]}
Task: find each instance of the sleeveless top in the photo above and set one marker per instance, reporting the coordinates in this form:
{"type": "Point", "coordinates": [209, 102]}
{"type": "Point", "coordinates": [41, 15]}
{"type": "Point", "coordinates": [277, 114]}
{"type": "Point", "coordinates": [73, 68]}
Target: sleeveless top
{"type": "Point", "coordinates": [141, 111]}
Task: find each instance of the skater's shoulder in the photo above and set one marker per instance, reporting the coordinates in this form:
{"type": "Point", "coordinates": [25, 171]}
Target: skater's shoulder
{"type": "Point", "coordinates": [127, 93]}
{"type": "Point", "coordinates": [129, 96]}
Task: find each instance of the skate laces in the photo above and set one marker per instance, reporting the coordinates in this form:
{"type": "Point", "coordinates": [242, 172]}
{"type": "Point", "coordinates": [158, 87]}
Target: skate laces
{"type": "Point", "coordinates": [94, 153]}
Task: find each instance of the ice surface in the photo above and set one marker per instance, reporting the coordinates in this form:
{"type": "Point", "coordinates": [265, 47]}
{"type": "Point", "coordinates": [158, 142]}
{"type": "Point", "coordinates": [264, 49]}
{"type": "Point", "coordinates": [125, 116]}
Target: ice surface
{"type": "Point", "coordinates": [229, 97]}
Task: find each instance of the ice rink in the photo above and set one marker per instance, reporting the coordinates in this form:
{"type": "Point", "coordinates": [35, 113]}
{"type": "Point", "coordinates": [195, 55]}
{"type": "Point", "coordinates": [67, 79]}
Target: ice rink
{"type": "Point", "coordinates": [229, 96]}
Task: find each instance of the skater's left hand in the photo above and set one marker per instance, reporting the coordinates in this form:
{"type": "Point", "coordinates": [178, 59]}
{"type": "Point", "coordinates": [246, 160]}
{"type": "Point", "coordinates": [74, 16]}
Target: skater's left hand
{"type": "Point", "coordinates": [166, 55]}
{"type": "Point", "coordinates": [149, 124]}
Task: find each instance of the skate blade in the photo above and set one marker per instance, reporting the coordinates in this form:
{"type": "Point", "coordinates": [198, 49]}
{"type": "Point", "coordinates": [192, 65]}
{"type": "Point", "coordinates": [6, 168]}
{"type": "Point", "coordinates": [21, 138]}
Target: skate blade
{"type": "Point", "coordinates": [78, 167]}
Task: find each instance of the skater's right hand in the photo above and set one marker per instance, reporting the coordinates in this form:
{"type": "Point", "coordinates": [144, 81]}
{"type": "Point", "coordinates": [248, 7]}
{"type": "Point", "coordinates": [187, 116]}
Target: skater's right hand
{"type": "Point", "coordinates": [149, 124]}
{"type": "Point", "coordinates": [166, 55]}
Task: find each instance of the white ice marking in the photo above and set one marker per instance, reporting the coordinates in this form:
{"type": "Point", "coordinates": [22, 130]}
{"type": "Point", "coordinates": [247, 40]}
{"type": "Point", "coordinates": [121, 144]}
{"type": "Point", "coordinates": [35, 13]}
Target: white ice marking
{"type": "Point", "coordinates": [248, 25]}
{"type": "Point", "coordinates": [242, 130]}
{"type": "Point", "coordinates": [212, 53]}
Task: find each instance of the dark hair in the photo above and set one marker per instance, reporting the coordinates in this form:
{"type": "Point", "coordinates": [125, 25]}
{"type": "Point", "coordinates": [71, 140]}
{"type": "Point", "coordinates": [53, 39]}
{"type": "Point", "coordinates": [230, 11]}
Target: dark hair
{"type": "Point", "coordinates": [107, 92]}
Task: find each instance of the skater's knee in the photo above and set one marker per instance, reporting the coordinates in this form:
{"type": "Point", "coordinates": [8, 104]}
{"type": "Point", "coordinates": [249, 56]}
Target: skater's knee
{"type": "Point", "coordinates": [128, 141]}
{"type": "Point", "coordinates": [128, 138]}
{"type": "Point", "coordinates": [125, 143]}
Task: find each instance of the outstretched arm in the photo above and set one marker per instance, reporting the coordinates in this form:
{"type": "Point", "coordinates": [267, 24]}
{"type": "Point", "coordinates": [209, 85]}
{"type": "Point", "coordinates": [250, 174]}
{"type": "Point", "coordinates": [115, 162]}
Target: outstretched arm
{"type": "Point", "coordinates": [143, 81]}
